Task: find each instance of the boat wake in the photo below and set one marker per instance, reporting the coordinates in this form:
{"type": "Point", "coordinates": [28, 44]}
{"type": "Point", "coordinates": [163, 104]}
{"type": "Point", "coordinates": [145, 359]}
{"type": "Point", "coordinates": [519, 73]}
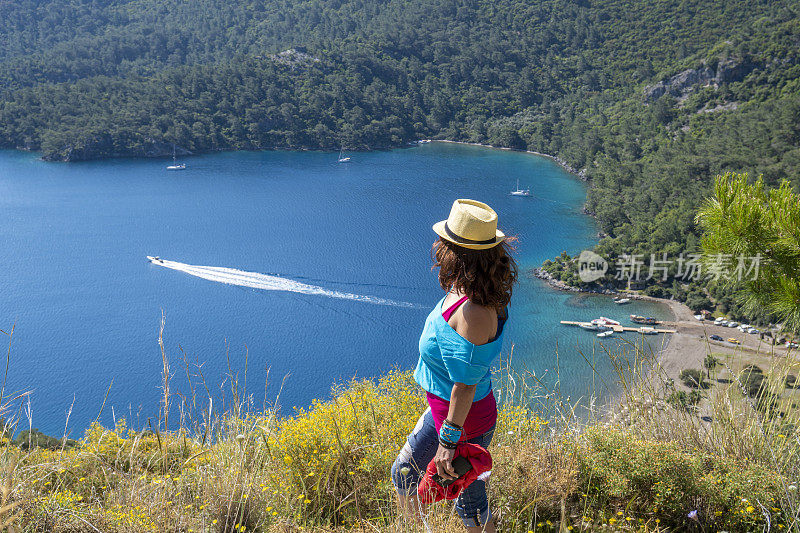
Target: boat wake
{"type": "Point", "coordinates": [267, 282]}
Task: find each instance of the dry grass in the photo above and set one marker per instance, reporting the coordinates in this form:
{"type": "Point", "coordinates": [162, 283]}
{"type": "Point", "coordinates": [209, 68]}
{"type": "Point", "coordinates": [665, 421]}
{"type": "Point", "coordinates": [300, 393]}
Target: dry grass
{"type": "Point", "coordinates": [648, 466]}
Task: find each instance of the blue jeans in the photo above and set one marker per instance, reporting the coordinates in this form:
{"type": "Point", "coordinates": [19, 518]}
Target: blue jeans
{"type": "Point", "coordinates": [472, 504]}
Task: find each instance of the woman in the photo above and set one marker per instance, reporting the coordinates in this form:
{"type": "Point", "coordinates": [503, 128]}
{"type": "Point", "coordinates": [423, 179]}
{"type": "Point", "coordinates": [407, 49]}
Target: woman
{"type": "Point", "coordinates": [461, 337]}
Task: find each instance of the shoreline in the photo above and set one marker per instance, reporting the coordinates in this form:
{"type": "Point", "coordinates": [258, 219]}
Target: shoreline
{"type": "Point", "coordinates": [689, 346]}
{"type": "Point", "coordinates": [162, 154]}
{"type": "Point", "coordinates": [581, 174]}
{"type": "Point", "coordinates": [158, 153]}
{"type": "Point", "coordinates": [666, 353]}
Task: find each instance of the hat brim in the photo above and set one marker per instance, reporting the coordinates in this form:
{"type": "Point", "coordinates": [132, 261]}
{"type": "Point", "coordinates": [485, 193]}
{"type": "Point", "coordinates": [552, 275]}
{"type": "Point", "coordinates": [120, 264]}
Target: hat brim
{"type": "Point", "coordinates": [439, 229]}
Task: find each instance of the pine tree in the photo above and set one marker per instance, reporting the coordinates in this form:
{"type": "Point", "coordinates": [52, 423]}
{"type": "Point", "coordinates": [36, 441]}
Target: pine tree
{"type": "Point", "coordinates": [747, 220]}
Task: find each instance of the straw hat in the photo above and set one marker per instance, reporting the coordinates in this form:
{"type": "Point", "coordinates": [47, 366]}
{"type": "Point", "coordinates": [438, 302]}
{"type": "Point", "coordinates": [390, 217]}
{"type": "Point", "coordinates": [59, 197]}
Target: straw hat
{"type": "Point", "coordinates": [471, 224]}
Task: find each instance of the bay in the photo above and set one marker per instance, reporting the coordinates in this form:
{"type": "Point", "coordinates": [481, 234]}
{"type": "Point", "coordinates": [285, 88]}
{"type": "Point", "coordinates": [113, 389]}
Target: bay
{"type": "Point", "coordinates": [86, 305]}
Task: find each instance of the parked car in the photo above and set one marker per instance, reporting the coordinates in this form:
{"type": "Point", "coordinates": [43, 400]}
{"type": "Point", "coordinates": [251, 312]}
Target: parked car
{"type": "Point", "coordinates": [715, 338]}
{"type": "Point", "coordinates": [732, 324]}
{"type": "Point", "coordinates": [753, 331]}
{"type": "Point", "coordinates": [742, 329]}
{"type": "Point", "coordinates": [698, 317]}
{"type": "Point", "coordinates": [734, 341]}
{"type": "Point", "coordinates": [793, 345]}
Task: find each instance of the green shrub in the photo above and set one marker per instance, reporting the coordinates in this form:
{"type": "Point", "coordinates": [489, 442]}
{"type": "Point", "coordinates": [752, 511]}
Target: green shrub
{"type": "Point", "coordinates": [692, 377]}
{"type": "Point", "coordinates": [634, 478]}
{"type": "Point", "coordinates": [656, 291]}
{"type": "Point", "coordinates": [755, 383]}
{"type": "Point", "coordinates": [36, 439]}
{"type": "Point", "coordinates": [679, 399]}
{"type": "Point", "coordinates": [696, 302]}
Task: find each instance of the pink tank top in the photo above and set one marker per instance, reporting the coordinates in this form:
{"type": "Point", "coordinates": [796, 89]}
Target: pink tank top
{"type": "Point", "coordinates": [482, 415]}
{"type": "Point", "coordinates": [481, 418]}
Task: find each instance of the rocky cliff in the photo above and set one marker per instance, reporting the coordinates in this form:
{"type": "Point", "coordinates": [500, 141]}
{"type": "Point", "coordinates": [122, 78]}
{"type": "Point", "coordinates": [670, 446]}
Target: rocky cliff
{"type": "Point", "coordinates": [727, 71]}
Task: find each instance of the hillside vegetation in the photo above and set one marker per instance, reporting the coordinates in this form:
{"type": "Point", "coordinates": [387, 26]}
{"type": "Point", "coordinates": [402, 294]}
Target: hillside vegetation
{"type": "Point", "coordinates": [656, 468]}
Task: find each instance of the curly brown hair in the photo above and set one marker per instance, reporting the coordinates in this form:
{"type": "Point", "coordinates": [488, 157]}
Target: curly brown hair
{"type": "Point", "coordinates": [486, 276]}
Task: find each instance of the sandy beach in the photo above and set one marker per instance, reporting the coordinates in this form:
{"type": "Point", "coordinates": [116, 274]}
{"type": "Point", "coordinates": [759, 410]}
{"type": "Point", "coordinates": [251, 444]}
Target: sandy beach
{"type": "Point", "coordinates": [689, 346]}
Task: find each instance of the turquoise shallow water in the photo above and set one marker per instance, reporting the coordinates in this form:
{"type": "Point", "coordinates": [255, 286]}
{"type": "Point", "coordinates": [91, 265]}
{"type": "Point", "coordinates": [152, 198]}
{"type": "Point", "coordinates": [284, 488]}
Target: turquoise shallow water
{"type": "Point", "coordinates": [87, 305]}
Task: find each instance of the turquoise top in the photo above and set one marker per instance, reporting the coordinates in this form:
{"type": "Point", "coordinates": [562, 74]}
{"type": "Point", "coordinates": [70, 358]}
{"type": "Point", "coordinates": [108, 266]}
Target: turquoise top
{"type": "Point", "coordinates": [445, 357]}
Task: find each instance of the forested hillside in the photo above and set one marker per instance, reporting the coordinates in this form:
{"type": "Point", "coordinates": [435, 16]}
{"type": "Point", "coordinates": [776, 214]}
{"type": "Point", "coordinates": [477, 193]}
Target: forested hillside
{"type": "Point", "coordinates": [649, 99]}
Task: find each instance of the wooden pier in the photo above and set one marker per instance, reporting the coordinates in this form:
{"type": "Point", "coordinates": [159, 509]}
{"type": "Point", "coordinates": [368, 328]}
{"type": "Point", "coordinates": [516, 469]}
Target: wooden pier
{"type": "Point", "coordinates": [620, 328]}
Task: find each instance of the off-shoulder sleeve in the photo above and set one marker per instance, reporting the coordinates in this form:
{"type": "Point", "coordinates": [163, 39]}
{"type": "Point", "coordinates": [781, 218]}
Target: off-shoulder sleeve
{"type": "Point", "coordinates": [462, 367]}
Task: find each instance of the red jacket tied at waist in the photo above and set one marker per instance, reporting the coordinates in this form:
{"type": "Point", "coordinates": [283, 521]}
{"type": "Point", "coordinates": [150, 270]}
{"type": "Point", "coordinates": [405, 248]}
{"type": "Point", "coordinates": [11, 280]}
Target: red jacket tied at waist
{"type": "Point", "coordinates": [430, 491]}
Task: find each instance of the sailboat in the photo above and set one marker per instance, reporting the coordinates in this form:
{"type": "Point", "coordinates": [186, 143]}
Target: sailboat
{"type": "Point", "coordinates": [520, 192]}
{"type": "Point", "coordinates": [175, 165]}
{"type": "Point", "coordinates": [343, 159]}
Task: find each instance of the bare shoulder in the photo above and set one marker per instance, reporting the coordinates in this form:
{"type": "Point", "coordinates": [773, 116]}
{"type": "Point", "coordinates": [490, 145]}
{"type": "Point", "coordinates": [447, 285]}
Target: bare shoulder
{"type": "Point", "coordinates": [477, 324]}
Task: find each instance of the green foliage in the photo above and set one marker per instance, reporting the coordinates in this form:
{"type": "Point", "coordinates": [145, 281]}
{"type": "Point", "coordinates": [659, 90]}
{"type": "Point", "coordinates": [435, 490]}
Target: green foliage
{"type": "Point", "coordinates": [757, 387]}
{"type": "Point", "coordinates": [748, 219]}
{"type": "Point", "coordinates": [710, 363]}
{"type": "Point", "coordinates": [752, 369]}
{"type": "Point", "coordinates": [27, 439]}
{"type": "Point", "coordinates": [679, 399]}
{"type": "Point", "coordinates": [692, 377]}
{"type": "Point", "coordinates": [561, 77]}
{"type": "Point", "coordinates": [655, 291]}
{"type": "Point", "coordinates": [643, 477]}
{"type": "Point", "coordinates": [327, 469]}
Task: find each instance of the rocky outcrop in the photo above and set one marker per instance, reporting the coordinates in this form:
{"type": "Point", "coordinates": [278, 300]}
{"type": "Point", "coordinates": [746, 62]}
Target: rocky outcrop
{"type": "Point", "coordinates": [729, 71]}
{"type": "Point", "coordinates": [294, 57]}
{"type": "Point", "coordinates": [679, 85]}
{"type": "Point", "coordinates": [730, 106]}
{"type": "Point", "coordinates": [552, 281]}
{"type": "Point", "coordinates": [569, 168]}
{"type": "Point", "coordinates": [560, 285]}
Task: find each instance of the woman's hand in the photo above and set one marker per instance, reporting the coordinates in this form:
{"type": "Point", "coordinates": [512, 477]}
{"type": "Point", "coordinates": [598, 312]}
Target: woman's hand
{"type": "Point", "coordinates": [444, 463]}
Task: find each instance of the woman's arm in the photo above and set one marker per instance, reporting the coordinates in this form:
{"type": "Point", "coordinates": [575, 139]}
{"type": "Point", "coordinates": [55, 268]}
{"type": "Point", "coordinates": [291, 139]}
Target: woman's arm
{"type": "Point", "coordinates": [460, 403]}
{"type": "Point", "coordinates": [477, 325]}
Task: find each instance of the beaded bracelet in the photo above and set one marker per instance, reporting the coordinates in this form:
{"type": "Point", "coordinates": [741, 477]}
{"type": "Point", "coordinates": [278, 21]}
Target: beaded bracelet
{"type": "Point", "coordinates": [450, 433]}
{"type": "Point", "coordinates": [452, 424]}
{"type": "Point", "coordinates": [447, 445]}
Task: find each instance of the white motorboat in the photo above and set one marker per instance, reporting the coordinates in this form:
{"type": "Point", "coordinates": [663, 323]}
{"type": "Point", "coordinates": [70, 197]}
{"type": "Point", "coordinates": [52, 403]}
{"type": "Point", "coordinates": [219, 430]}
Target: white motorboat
{"type": "Point", "coordinates": [604, 321]}
{"type": "Point", "coordinates": [645, 330]}
{"type": "Point", "coordinates": [154, 259]}
{"type": "Point", "coordinates": [605, 334]}
{"type": "Point", "coordinates": [520, 192]}
{"type": "Point", "coordinates": [622, 300]}
{"type": "Point", "coordinates": [589, 326]}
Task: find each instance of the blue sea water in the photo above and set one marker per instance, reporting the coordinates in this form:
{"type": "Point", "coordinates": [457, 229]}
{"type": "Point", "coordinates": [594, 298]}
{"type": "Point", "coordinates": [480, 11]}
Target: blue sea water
{"type": "Point", "coordinates": [86, 305]}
